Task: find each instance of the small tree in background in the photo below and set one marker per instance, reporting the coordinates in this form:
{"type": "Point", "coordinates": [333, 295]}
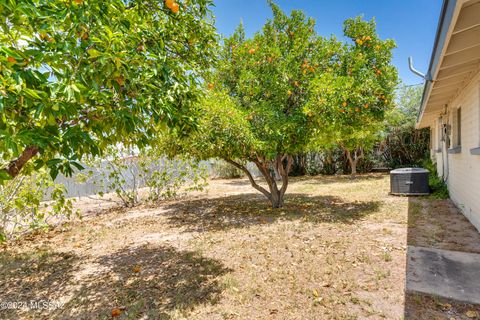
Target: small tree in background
{"type": "Point", "coordinates": [78, 76]}
{"type": "Point", "coordinates": [355, 142]}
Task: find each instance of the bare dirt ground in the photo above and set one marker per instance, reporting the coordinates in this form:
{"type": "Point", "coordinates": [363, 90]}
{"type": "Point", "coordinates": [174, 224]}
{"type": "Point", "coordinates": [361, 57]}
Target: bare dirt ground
{"type": "Point", "coordinates": [336, 251]}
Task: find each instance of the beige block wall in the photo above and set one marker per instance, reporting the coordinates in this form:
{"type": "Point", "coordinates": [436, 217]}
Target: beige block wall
{"type": "Point", "coordinates": [462, 170]}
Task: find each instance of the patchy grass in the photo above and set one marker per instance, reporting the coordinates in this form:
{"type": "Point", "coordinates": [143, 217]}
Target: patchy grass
{"type": "Point", "coordinates": [336, 251]}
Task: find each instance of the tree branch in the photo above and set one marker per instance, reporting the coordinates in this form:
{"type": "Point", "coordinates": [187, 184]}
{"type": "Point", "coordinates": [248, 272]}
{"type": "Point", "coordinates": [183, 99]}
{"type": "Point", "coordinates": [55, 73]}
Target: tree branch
{"type": "Point", "coordinates": [250, 177]}
{"type": "Point", "coordinates": [362, 154]}
{"type": "Point", "coordinates": [15, 166]}
{"type": "Point", "coordinates": [260, 163]}
{"type": "Point", "coordinates": [284, 173]}
{"type": "Point", "coordinates": [349, 155]}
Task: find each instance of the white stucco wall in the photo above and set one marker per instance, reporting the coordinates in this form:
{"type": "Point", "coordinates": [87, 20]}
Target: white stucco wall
{"type": "Point", "coordinates": [462, 170]}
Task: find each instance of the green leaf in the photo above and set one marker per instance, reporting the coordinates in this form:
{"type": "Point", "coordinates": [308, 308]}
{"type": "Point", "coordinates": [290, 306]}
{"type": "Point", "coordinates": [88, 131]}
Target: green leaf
{"type": "Point", "coordinates": [77, 165]}
{"type": "Point", "coordinates": [33, 94]}
{"type": "Point", "coordinates": [4, 176]}
{"type": "Point", "coordinates": [94, 53]}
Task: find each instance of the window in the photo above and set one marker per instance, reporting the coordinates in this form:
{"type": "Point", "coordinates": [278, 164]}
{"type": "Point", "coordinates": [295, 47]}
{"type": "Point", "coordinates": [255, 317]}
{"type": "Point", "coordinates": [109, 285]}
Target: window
{"type": "Point", "coordinates": [456, 131]}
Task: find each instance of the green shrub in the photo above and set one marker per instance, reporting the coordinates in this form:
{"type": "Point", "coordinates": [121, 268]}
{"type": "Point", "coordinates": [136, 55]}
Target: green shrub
{"type": "Point", "coordinates": [166, 178]}
{"type": "Point", "coordinates": [125, 173]}
{"type": "Point", "coordinates": [22, 205]}
{"type": "Point", "coordinates": [437, 185]}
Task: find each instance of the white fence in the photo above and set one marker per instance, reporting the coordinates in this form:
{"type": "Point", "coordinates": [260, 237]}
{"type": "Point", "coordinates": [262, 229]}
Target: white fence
{"type": "Point", "coordinates": [96, 183]}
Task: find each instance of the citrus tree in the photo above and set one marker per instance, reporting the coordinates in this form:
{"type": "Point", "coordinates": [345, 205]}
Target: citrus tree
{"type": "Point", "coordinates": [255, 110]}
{"type": "Point", "coordinates": [356, 96]}
{"type": "Point", "coordinates": [77, 76]}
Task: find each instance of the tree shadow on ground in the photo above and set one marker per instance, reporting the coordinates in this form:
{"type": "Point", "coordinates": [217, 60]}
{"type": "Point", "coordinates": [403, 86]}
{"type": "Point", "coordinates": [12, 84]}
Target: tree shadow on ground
{"type": "Point", "coordinates": [437, 224]}
{"type": "Point", "coordinates": [344, 178]}
{"type": "Point", "coordinates": [148, 282]}
{"type": "Point", "coordinates": [144, 282]}
{"type": "Point", "coordinates": [318, 179]}
{"type": "Point", "coordinates": [38, 275]}
{"type": "Point", "coordinates": [240, 211]}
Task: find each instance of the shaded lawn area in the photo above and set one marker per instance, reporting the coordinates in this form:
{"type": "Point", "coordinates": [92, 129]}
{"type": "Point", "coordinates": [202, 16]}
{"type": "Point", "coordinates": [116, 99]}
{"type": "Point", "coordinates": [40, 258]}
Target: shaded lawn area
{"type": "Point", "coordinates": [336, 251]}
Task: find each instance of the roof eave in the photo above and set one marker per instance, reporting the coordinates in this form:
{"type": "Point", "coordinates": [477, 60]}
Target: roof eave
{"type": "Point", "coordinates": [446, 16]}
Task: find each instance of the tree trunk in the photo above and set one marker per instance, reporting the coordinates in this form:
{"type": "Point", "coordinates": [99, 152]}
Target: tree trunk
{"type": "Point", "coordinates": [353, 160]}
{"type": "Point", "coordinates": [274, 194]}
{"type": "Point", "coordinates": [278, 177]}
{"type": "Point", "coordinates": [353, 167]}
{"type": "Point", "coordinates": [15, 166]}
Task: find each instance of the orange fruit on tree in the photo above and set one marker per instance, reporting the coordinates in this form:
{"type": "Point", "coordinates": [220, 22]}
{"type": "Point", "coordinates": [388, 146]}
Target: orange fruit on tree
{"type": "Point", "coordinates": [175, 7]}
{"type": "Point", "coordinates": [169, 3]}
{"type": "Point", "coordinates": [251, 51]}
{"type": "Point", "coordinates": [11, 59]}
{"type": "Point", "coordinates": [344, 103]}
{"type": "Point", "coordinates": [78, 1]}
{"type": "Point", "coordinates": [366, 106]}
{"type": "Point", "coordinates": [211, 86]}
{"type": "Point", "coordinates": [119, 80]}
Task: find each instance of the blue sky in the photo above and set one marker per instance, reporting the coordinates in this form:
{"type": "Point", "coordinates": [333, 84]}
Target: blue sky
{"type": "Point", "coordinates": [411, 23]}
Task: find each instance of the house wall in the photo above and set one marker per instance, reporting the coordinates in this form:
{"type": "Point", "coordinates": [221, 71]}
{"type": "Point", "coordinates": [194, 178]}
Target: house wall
{"type": "Point", "coordinates": [462, 170]}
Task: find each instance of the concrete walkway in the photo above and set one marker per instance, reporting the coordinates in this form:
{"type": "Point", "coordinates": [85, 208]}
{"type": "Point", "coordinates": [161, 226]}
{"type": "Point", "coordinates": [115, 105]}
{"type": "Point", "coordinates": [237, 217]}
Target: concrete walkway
{"type": "Point", "coordinates": [449, 274]}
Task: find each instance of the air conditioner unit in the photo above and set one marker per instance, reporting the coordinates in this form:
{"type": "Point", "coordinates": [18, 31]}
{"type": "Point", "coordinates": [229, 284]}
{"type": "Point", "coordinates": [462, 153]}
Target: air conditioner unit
{"type": "Point", "coordinates": [409, 181]}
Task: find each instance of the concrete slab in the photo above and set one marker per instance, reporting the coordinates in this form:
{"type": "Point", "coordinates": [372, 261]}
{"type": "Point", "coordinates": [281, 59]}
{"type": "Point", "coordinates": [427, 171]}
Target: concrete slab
{"type": "Point", "coordinates": [449, 274]}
